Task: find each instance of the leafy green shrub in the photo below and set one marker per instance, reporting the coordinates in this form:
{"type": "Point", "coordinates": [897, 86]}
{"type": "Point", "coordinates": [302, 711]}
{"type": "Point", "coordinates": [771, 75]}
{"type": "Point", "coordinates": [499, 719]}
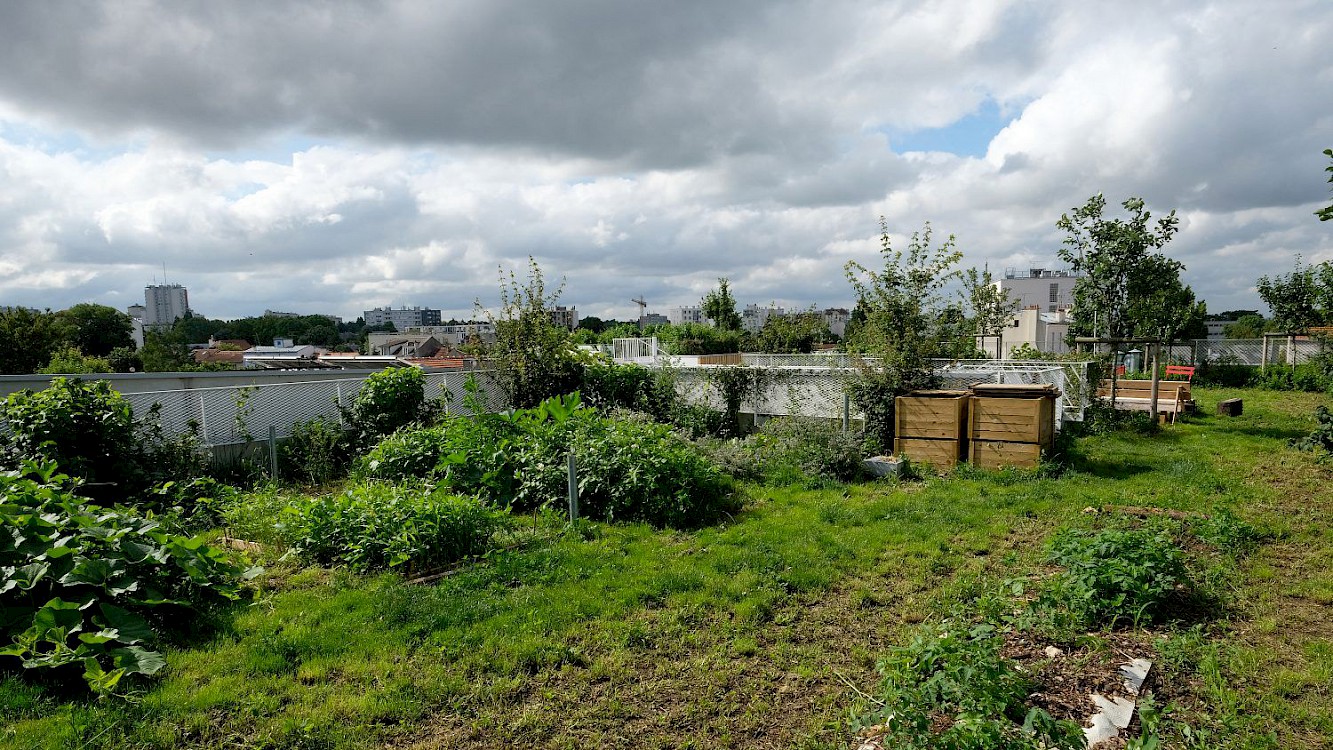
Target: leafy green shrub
{"type": "Point", "coordinates": [949, 689]}
{"type": "Point", "coordinates": [378, 525]}
{"type": "Point", "coordinates": [1114, 576]}
{"type": "Point", "coordinates": [741, 458]}
{"type": "Point", "coordinates": [606, 386]}
{"type": "Point", "coordinates": [629, 469]}
{"type": "Point", "coordinates": [1100, 418]}
{"type": "Point", "coordinates": [316, 451]}
{"type": "Point", "coordinates": [1224, 372]}
{"type": "Point", "coordinates": [473, 455]}
{"type": "Point", "coordinates": [874, 391]}
{"type": "Point", "coordinates": [817, 448]}
{"type": "Point", "coordinates": [388, 400]}
{"type": "Point", "coordinates": [256, 515]}
{"type": "Point", "coordinates": [93, 587]}
{"type": "Point", "coordinates": [1311, 377]}
{"type": "Point", "coordinates": [698, 338]}
{"type": "Point", "coordinates": [1321, 437]}
{"type": "Point", "coordinates": [85, 427]}
{"type": "Point", "coordinates": [696, 421]}
{"type": "Point", "coordinates": [640, 471]}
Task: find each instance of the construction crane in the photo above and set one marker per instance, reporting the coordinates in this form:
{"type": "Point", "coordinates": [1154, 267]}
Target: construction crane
{"type": "Point", "coordinates": [642, 306]}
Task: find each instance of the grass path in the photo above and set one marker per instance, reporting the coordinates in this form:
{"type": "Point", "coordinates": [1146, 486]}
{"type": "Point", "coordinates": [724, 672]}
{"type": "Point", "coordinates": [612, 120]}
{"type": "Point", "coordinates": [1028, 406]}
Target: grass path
{"type": "Point", "coordinates": [754, 634]}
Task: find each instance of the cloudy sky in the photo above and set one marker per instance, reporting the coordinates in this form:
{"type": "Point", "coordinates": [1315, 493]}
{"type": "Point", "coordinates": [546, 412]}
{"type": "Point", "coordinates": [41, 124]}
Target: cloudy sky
{"type": "Point", "coordinates": [335, 156]}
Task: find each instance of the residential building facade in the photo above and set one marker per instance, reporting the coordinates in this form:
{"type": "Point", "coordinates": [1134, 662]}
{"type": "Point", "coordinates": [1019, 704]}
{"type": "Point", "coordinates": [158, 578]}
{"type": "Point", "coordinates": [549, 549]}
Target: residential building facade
{"type": "Point", "coordinates": [836, 319]}
{"type": "Point", "coordinates": [1048, 290]}
{"type": "Point", "coordinates": [565, 317]}
{"type": "Point", "coordinates": [682, 315]}
{"type": "Point", "coordinates": [402, 318]}
{"type": "Point", "coordinates": [753, 317]}
{"type": "Point", "coordinates": [164, 304]}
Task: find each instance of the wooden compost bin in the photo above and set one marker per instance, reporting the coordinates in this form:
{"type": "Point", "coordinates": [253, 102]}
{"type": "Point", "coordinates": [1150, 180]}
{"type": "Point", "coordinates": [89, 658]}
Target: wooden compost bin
{"type": "Point", "coordinates": [931, 427]}
{"type": "Point", "coordinates": [1010, 425]}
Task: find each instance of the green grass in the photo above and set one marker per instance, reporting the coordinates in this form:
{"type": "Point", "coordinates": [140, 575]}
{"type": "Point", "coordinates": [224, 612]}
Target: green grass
{"type": "Point", "coordinates": [743, 634]}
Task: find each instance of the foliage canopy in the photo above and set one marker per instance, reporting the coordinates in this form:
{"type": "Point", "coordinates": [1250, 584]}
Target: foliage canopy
{"type": "Point", "coordinates": [1127, 288]}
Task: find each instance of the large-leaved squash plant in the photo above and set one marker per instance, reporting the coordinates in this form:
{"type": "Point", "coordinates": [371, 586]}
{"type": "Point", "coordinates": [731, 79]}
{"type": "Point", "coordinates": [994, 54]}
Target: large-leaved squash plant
{"type": "Point", "coordinates": [84, 586]}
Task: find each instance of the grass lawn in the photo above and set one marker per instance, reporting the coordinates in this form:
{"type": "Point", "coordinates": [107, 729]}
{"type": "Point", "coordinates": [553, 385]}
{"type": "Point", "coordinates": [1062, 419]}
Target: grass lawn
{"type": "Point", "coordinates": [760, 633]}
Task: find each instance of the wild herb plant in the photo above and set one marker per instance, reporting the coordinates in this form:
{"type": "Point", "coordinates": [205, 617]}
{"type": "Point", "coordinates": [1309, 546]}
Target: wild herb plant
{"type": "Point", "coordinates": [316, 451]}
{"type": "Point", "coordinates": [378, 525]}
{"type": "Point", "coordinates": [950, 688]}
{"type": "Point", "coordinates": [93, 588]}
{"type": "Point", "coordinates": [628, 469]}
{"type": "Point", "coordinates": [1228, 533]}
{"type": "Point", "coordinates": [799, 449]}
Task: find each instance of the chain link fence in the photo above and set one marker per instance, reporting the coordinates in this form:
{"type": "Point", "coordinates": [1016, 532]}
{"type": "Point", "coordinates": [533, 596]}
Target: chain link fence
{"type": "Point", "coordinates": [1273, 350]}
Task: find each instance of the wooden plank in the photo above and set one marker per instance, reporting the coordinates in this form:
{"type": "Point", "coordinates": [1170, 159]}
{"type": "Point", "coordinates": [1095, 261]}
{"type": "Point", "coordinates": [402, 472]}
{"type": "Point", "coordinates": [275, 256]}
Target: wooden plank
{"type": "Point", "coordinates": [1014, 420]}
{"type": "Point", "coordinates": [934, 417]}
{"type": "Point", "coordinates": [1040, 390]}
{"type": "Point", "coordinates": [942, 454]}
{"type": "Point", "coordinates": [988, 454]}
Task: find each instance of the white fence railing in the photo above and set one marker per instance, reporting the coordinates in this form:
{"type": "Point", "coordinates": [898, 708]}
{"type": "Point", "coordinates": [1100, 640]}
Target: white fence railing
{"type": "Point", "coordinates": [227, 415]}
{"type": "Point", "coordinates": [238, 413]}
{"type": "Point", "coordinates": [810, 391]}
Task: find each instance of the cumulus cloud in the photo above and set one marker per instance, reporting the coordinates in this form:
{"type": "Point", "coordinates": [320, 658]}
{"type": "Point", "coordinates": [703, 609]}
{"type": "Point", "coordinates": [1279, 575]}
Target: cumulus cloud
{"type": "Point", "coordinates": [337, 156]}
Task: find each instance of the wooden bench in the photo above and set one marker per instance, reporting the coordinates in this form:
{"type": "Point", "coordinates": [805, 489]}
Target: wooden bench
{"type": "Point", "coordinates": [1180, 370]}
{"type": "Point", "coordinates": [1173, 396]}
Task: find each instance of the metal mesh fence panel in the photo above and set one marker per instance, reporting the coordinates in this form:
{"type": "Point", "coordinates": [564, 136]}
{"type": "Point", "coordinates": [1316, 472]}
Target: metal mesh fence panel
{"type": "Point", "coordinates": [453, 389]}
{"type": "Point", "coordinates": [229, 415]}
{"type": "Point", "coordinates": [821, 392]}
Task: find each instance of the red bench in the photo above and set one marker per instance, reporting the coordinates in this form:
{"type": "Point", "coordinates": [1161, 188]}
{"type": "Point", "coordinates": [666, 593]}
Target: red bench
{"type": "Point", "coordinates": [1184, 370]}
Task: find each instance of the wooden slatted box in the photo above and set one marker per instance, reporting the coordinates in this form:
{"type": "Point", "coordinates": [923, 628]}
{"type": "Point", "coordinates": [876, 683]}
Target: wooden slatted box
{"type": "Point", "coordinates": [931, 427]}
{"type": "Point", "coordinates": [1011, 425]}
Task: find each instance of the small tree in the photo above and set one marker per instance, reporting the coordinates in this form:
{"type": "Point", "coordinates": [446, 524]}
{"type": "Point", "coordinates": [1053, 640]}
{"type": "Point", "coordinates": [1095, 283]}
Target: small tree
{"type": "Point", "coordinates": [901, 304]}
{"type": "Point", "coordinates": [70, 361]}
{"type": "Point", "coordinates": [989, 305]}
{"type": "Point", "coordinates": [1126, 288]}
{"type": "Point", "coordinates": [534, 357]}
{"type": "Point", "coordinates": [796, 333]}
{"type": "Point", "coordinates": [720, 307]}
{"type": "Point", "coordinates": [1300, 299]}
{"type": "Point", "coordinates": [1250, 326]}
{"type": "Point", "coordinates": [28, 338]}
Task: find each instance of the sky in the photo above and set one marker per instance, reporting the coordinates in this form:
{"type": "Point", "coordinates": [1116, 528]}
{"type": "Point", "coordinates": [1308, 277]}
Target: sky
{"type": "Point", "coordinates": [329, 157]}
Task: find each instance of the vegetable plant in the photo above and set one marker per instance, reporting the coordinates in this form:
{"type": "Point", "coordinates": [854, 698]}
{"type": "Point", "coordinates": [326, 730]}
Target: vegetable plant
{"type": "Point", "coordinates": [95, 588]}
{"type": "Point", "coordinates": [1114, 576]}
{"type": "Point", "coordinates": [950, 688]}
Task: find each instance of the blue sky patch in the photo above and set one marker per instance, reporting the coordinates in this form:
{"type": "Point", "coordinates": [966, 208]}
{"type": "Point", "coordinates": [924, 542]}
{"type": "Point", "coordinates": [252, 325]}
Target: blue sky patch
{"type": "Point", "coordinates": [967, 137]}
